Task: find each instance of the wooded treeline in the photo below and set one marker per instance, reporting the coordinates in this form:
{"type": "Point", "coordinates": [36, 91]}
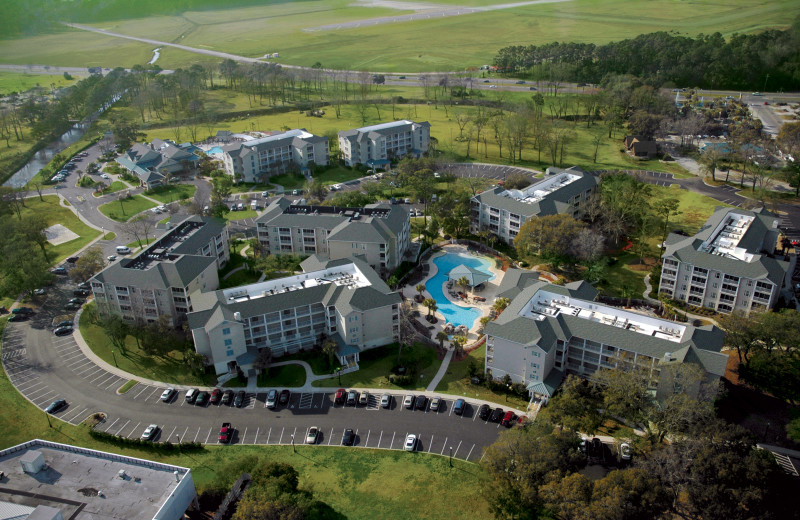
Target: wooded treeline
{"type": "Point", "coordinates": [766, 61]}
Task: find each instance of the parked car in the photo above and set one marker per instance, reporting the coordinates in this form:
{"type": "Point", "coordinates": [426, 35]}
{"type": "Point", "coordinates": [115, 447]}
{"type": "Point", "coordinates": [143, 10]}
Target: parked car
{"type": "Point", "coordinates": [216, 396]}
{"type": "Point", "coordinates": [363, 399]}
{"type": "Point", "coordinates": [348, 438]}
{"type": "Point", "coordinates": [340, 395]}
{"type": "Point", "coordinates": [520, 82]}
{"type": "Point", "coordinates": [56, 405]}
{"type": "Point", "coordinates": [272, 399]}
{"type": "Point", "coordinates": [81, 292]}
{"type": "Point", "coordinates": [386, 400]}
{"type": "Point", "coordinates": [459, 406]}
{"type": "Point", "coordinates": [72, 306]}
{"type": "Point", "coordinates": [497, 415]}
{"type": "Point", "coordinates": [625, 451]}
{"type": "Point", "coordinates": [150, 432]}
{"type": "Point", "coordinates": [583, 447]}
{"type": "Point", "coordinates": [411, 442]}
{"type": "Point", "coordinates": [104, 176]}
{"type": "Point", "coordinates": [597, 447]}
{"type": "Point", "coordinates": [352, 397]}
{"type": "Point", "coordinates": [111, 258]}
{"type": "Point", "coordinates": [407, 200]}
{"type": "Point", "coordinates": [420, 402]}
{"type": "Point", "coordinates": [166, 395]}
{"type": "Point", "coordinates": [63, 331]}
{"type": "Point", "coordinates": [72, 259]}
{"type": "Point", "coordinates": [227, 397]}
{"type": "Point", "coordinates": [65, 323]}
{"type": "Point", "coordinates": [311, 435]}
{"type": "Point", "coordinates": [59, 270]}
{"type": "Point", "coordinates": [508, 419]}
{"type": "Point", "coordinates": [238, 400]}
{"type": "Point", "coordinates": [39, 292]}
{"type": "Point", "coordinates": [283, 400]}
{"type": "Point", "coordinates": [76, 300]}
{"type": "Point", "coordinates": [435, 402]}
{"type": "Point", "coordinates": [18, 317]}
{"type": "Point", "coordinates": [408, 402]}
{"type": "Point", "coordinates": [191, 395]}
{"type": "Point", "coordinates": [84, 285]}
{"type": "Point", "coordinates": [484, 411]}
{"type": "Point", "coordinates": [22, 310]}
{"type": "Point", "coordinates": [225, 433]}
{"type": "Point", "coordinates": [202, 399]}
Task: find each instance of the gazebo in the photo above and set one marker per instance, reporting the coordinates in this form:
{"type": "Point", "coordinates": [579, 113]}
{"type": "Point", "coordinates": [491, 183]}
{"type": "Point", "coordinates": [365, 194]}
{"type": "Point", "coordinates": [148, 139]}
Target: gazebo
{"type": "Point", "coordinates": [473, 276]}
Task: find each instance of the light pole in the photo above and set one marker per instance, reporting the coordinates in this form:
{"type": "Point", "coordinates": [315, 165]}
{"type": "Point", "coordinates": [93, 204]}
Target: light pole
{"type": "Point", "coordinates": [451, 456]}
{"type": "Point", "coordinates": [339, 374]}
{"type": "Point", "coordinates": [49, 424]}
{"type": "Point", "coordinates": [508, 389]}
{"type": "Point", "coordinates": [115, 359]}
{"type": "Point", "coordinates": [294, 450]}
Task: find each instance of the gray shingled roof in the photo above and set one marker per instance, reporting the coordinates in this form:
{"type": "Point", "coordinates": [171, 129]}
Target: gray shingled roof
{"type": "Point", "coordinates": [514, 280]}
{"type": "Point", "coordinates": [166, 273]}
{"type": "Point", "coordinates": [201, 237]}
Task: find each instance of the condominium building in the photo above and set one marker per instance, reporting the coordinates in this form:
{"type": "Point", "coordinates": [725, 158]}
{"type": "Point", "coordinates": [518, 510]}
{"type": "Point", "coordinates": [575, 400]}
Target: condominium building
{"type": "Point", "coordinates": [503, 211]}
{"type": "Point", "coordinates": [549, 330]}
{"type": "Point", "coordinates": [258, 159]}
{"type": "Point", "coordinates": [162, 279]}
{"type": "Point", "coordinates": [344, 300]}
{"type": "Point", "coordinates": [378, 232]}
{"type": "Point", "coordinates": [730, 264]}
{"type": "Point", "coordinates": [379, 145]}
{"type": "Point", "coordinates": [151, 163]}
{"type": "Point", "coordinates": [48, 480]}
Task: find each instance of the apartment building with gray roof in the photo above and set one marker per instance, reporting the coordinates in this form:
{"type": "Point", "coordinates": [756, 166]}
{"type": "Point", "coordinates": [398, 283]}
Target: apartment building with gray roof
{"type": "Point", "coordinates": [503, 211]}
{"type": "Point", "coordinates": [258, 159]}
{"type": "Point", "coordinates": [730, 264]}
{"type": "Point", "coordinates": [379, 145]}
{"type": "Point", "coordinates": [341, 299]}
{"type": "Point", "coordinates": [549, 330]}
{"type": "Point", "coordinates": [378, 232]}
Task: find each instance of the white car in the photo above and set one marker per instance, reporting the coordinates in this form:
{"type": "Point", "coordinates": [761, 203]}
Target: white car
{"type": "Point", "coordinates": [150, 432]}
{"type": "Point", "coordinates": [167, 394]}
{"type": "Point", "coordinates": [408, 402]}
{"type": "Point", "coordinates": [411, 442]}
{"type": "Point", "coordinates": [39, 292]}
{"type": "Point", "coordinates": [111, 258]}
{"type": "Point", "coordinates": [336, 187]}
{"type": "Point", "coordinates": [435, 402]}
{"type": "Point", "coordinates": [625, 451]}
{"type": "Point", "coordinates": [162, 207]}
{"type": "Point", "coordinates": [311, 436]}
{"type": "Point", "coordinates": [104, 176]}
{"type": "Point", "coordinates": [386, 400]}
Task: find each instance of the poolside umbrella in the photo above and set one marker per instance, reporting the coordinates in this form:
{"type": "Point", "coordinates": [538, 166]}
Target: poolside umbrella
{"type": "Point", "coordinates": [473, 276]}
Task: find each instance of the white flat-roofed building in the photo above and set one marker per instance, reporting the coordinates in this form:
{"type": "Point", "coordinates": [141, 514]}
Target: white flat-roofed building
{"type": "Point", "coordinates": [503, 211]}
{"type": "Point", "coordinates": [84, 484]}
{"type": "Point", "coordinates": [730, 264]}
{"type": "Point", "coordinates": [256, 160]}
{"type": "Point", "coordinates": [342, 299]}
{"type": "Point", "coordinates": [549, 330]}
{"type": "Point", "coordinates": [379, 145]}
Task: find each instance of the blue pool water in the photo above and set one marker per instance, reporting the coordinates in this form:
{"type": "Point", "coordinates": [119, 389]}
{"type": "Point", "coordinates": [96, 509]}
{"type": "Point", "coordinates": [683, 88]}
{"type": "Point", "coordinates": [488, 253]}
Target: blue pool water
{"type": "Point", "coordinates": [214, 150]}
{"type": "Point", "coordinates": [455, 314]}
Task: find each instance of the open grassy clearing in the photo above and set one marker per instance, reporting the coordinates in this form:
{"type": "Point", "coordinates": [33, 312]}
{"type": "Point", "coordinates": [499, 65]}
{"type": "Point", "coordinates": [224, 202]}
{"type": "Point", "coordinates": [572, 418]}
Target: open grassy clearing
{"type": "Point", "coordinates": [135, 244]}
{"type": "Point", "coordinates": [450, 43]}
{"type": "Point", "coordinates": [169, 369]}
{"type": "Point", "coordinates": [173, 192]}
{"type": "Point", "coordinates": [21, 81]}
{"type": "Point", "coordinates": [376, 364]}
{"type": "Point", "coordinates": [243, 277]}
{"type": "Point", "coordinates": [122, 210]}
{"type": "Point", "coordinates": [113, 188]}
{"type": "Point", "coordinates": [240, 215]}
{"type": "Point", "coordinates": [283, 376]}
{"type": "Point", "coordinates": [54, 213]}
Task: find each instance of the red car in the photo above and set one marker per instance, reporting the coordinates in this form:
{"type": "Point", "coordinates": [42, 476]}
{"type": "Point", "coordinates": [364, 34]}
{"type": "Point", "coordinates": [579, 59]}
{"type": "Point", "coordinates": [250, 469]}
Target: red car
{"type": "Point", "coordinates": [508, 419]}
{"type": "Point", "coordinates": [216, 396]}
{"type": "Point", "coordinates": [340, 395]}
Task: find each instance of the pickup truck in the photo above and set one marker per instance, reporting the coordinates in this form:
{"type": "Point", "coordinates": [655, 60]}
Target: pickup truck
{"type": "Point", "coordinates": [225, 433]}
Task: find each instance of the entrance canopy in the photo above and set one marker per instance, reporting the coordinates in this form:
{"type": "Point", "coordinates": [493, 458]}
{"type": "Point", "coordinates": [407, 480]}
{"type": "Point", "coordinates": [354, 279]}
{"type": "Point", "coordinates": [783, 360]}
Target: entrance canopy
{"type": "Point", "coordinates": [473, 276]}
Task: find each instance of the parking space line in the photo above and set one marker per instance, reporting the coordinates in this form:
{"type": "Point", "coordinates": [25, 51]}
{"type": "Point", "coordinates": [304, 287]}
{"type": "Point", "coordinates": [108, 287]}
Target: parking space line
{"type": "Point", "coordinates": [34, 385]}
{"type": "Point", "coordinates": [184, 434]}
{"type": "Point", "coordinates": [46, 390]}
{"type": "Point", "coordinates": [269, 433]}
{"type": "Point", "coordinates": [106, 380]}
{"type": "Point", "coordinates": [280, 439]}
{"type": "Point", "coordinates": [89, 371]}
{"type": "Point", "coordinates": [170, 433]}
{"type": "Point", "coordinates": [295, 432]}
{"type": "Point", "coordinates": [430, 445]}
{"type": "Point", "coordinates": [135, 427]}
{"type": "Point", "coordinates": [244, 435]}
{"type": "Point", "coordinates": [330, 438]}
{"type": "Point", "coordinates": [112, 424]}
{"type": "Point", "coordinates": [456, 453]}
{"type": "Point", "coordinates": [444, 445]}
{"type": "Point", "coordinates": [155, 389]}
{"type": "Point", "coordinates": [43, 400]}
{"type": "Point", "coordinates": [117, 382]}
{"type": "Point", "coordinates": [77, 414]}
{"type": "Point", "coordinates": [196, 434]}
{"type": "Point", "coordinates": [255, 441]}
{"type": "Point", "coordinates": [123, 426]}
{"type": "Point", "coordinates": [470, 452]}
{"type": "Point", "coordinates": [367, 442]}
{"type": "Point", "coordinates": [78, 364]}
{"type": "Point", "coordinates": [392, 443]}
{"type": "Point", "coordinates": [143, 390]}
{"type": "Point", "coordinates": [451, 411]}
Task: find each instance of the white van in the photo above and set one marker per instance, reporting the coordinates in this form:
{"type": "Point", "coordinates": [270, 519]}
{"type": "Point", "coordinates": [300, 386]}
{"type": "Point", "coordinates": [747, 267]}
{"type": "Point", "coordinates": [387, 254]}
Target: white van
{"type": "Point", "coordinates": [240, 207]}
{"type": "Point", "coordinates": [123, 250]}
{"type": "Point", "coordinates": [254, 205]}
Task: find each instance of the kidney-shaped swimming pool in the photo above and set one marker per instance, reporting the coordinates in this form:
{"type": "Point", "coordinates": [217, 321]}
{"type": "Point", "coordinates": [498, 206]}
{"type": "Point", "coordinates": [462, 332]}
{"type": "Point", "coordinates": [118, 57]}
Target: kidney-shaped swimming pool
{"type": "Point", "coordinates": [455, 314]}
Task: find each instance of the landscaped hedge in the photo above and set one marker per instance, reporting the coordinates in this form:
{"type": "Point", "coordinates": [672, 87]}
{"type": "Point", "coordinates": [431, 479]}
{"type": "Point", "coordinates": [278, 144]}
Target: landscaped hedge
{"type": "Point", "coordinates": [139, 443]}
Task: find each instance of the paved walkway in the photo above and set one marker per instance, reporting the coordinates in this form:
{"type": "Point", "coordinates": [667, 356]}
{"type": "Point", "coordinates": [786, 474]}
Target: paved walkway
{"type": "Point", "coordinates": [442, 371]}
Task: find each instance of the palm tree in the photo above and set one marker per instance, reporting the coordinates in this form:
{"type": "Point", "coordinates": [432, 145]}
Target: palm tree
{"type": "Point", "coordinates": [457, 342]}
{"type": "Point", "coordinates": [430, 303]}
{"type": "Point", "coordinates": [463, 282]}
{"type": "Point", "coordinates": [441, 336]}
{"type": "Point", "coordinates": [500, 304]}
{"type": "Point", "coordinates": [420, 289]}
{"type": "Point", "coordinates": [483, 321]}
{"type": "Point", "coordinates": [329, 349]}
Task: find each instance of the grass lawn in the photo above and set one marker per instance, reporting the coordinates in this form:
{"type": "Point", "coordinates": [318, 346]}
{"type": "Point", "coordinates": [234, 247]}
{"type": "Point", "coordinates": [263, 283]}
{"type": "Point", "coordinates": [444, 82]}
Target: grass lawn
{"type": "Point", "coordinates": [243, 277]}
{"type": "Point", "coordinates": [123, 210]}
{"type": "Point", "coordinates": [376, 364]}
{"type": "Point", "coordinates": [456, 382]}
{"type": "Point", "coordinates": [169, 369]}
{"type": "Point", "coordinates": [21, 81]}
{"type": "Point", "coordinates": [315, 358]}
{"type": "Point", "coordinates": [283, 376]}
{"type": "Point", "coordinates": [171, 193]}
{"type": "Point", "coordinates": [246, 187]}
{"type": "Point", "coordinates": [110, 236]}
{"type": "Point", "coordinates": [127, 386]}
{"type": "Point", "coordinates": [240, 215]}
{"type": "Point", "coordinates": [235, 382]}
{"type": "Point", "coordinates": [135, 244]}
{"type": "Point", "coordinates": [113, 188]}
{"type": "Point", "coordinates": [289, 181]}
{"type": "Point", "coordinates": [337, 175]}
{"type": "Point", "coordinates": [54, 213]}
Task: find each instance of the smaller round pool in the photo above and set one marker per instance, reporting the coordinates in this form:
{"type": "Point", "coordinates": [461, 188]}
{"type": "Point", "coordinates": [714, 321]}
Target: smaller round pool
{"type": "Point", "coordinates": [455, 314]}
{"type": "Point", "coordinates": [214, 150]}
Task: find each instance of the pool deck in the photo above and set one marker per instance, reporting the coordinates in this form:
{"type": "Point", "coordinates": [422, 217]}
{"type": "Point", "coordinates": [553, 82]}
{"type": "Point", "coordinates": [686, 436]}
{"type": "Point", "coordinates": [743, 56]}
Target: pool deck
{"type": "Point", "coordinates": [489, 293]}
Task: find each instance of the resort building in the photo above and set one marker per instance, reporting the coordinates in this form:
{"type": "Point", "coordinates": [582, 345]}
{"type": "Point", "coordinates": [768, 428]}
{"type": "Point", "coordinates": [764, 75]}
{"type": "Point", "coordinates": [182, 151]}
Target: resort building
{"type": "Point", "coordinates": [503, 211]}
{"type": "Point", "coordinates": [258, 159]}
{"type": "Point", "coordinates": [162, 279]}
{"type": "Point", "coordinates": [379, 145]}
{"type": "Point", "coordinates": [344, 300]}
{"type": "Point", "coordinates": [730, 264]}
{"type": "Point", "coordinates": [378, 232]}
{"type": "Point", "coordinates": [153, 162]}
{"type": "Point", "coordinates": [549, 330]}
{"type": "Point", "coordinates": [51, 481]}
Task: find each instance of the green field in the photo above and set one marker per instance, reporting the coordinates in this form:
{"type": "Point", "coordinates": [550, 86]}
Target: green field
{"type": "Point", "coordinates": [22, 81]}
{"type": "Point", "coordinates": [451, 43]}
{"type": "Point", "coordinates": [283, 376]}
{"type": "Point", "coordinates": [114, 187]}
{"type": "Point", "coordinates": [54, 213]}
{"type": "Point", "coordinates": [171, 193]}
{"type": "Point", "coordinates": [123, 211]}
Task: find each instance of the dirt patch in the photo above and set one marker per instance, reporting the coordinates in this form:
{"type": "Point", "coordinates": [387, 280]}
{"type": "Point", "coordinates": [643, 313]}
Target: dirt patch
{"type": "Point", "coordinates": [646, 264]}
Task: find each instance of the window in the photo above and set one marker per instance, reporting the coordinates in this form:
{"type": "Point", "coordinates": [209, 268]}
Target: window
{"type": "Point", "coordinates": [228, 342]}
{"type": "Point", "coordinates": [229, 352]}
{"type": "Point", "coordinates": [226, 331]}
